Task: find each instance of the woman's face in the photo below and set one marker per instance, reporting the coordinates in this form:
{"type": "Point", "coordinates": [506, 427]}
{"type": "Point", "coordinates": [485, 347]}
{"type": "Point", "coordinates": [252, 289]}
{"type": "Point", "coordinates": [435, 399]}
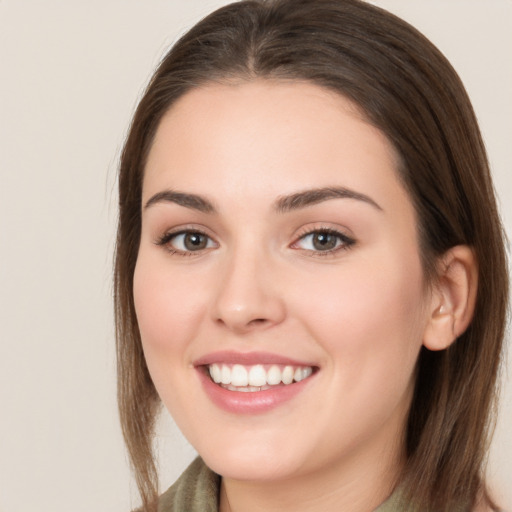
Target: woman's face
{"type": "Point", "coordinates": [279, 252]}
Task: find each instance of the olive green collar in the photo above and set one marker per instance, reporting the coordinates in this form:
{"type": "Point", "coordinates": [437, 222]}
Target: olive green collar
{"type": "Point", "coordinates": [197, 490]}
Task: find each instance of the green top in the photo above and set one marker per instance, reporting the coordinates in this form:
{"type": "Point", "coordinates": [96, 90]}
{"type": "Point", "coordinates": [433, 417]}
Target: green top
{"type": "Point", "coordinates": [197, 490]}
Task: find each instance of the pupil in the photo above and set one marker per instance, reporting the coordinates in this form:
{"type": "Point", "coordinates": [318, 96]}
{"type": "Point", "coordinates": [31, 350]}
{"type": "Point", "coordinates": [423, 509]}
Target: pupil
{"type": "Point", "coordinates": [324, 241]}
{"type": "Point", "coordinates": [195, 241]}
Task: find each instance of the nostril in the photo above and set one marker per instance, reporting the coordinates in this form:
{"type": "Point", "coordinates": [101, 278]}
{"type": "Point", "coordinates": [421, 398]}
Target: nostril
{"type": "Point", "coordinates": [243, 325]}
{"type": "Point", "coordinates": [257, 321]}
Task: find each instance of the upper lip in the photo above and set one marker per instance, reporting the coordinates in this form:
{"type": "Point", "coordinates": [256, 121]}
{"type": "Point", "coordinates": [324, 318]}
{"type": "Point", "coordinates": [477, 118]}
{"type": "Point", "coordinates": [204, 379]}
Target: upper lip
{"type": "Point", "coordinates": [248, 358]}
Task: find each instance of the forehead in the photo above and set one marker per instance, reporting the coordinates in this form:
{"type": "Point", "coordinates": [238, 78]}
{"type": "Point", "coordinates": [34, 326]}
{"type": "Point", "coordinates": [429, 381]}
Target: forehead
{"type": "Point", "coordinates": [268, 138]}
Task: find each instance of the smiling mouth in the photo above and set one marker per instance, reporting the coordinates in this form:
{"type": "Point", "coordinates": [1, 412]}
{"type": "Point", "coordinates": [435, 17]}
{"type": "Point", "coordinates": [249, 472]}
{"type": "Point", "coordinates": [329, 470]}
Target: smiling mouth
{"type": "Point", "coordinates": [258, 377]}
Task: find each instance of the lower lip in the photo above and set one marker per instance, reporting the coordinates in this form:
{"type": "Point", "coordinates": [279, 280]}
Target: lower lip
{"type": "Point", "coordinates": [253, 402]}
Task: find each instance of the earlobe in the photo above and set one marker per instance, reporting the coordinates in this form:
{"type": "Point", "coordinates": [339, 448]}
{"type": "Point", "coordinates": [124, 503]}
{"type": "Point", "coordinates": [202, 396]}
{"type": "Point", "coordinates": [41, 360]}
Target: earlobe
{"type": "Point", "coordinates": [453, 298]}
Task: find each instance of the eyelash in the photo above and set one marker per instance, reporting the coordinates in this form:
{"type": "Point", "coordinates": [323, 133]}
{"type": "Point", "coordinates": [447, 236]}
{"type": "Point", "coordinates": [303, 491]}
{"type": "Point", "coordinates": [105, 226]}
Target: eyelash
{"type": "Point", "coordinates": [344, 242]}
{"type": "Point", "coordinates": [165, 241]}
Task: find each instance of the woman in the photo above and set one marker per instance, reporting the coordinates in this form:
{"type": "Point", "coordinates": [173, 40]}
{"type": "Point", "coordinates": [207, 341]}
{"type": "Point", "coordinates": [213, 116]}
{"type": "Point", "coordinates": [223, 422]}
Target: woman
{"type": "Point", "coordinates": [310, 271]}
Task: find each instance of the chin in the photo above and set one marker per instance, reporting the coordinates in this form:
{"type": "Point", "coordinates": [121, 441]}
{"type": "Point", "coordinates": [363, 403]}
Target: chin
{"type": "Point", "coordinates": [251, 465]}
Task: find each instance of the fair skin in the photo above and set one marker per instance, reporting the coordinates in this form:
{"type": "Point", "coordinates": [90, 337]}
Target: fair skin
{"type": "Point", "coordinates": [239, 260]}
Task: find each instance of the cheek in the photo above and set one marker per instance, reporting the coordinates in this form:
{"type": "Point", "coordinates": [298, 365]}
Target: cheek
{"type": "Point", "coordinates": [371, 314]}
{"type": "Point", "coordinates": [168, 308]}
{"type": "Point", "coordinates": [369, 322]}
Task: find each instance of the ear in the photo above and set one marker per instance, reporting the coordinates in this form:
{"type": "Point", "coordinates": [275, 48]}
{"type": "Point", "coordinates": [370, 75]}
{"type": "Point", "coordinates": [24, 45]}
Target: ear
{"type": "Point", "coordinates": [453, 298]}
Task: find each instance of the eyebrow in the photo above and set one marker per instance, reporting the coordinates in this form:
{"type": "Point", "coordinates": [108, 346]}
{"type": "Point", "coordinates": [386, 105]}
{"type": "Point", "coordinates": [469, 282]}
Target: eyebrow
{"type": "Point", "coordinates": [319, 195]}
{"type": "Point", "coordinates": [283, 204]}
{"type": "Point", "coordinates": [192, 201]}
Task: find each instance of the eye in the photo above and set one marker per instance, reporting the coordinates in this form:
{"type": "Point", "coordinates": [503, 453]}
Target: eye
{"type": "Point", "coordinates": [186, 242]}
{"type": "Point", "coordinates": [323, 240]}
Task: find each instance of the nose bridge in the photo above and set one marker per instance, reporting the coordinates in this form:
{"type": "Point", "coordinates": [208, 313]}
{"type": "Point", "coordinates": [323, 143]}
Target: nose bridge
{"type": "Point", "coordinates": [247, 294]}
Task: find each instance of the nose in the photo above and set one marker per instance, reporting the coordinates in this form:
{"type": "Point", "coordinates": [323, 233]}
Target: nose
{"type": "Point", "coordinates": [248, 297]}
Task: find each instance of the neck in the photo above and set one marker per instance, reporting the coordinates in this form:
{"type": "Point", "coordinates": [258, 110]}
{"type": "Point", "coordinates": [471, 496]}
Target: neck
{"type": "Point", "coordinates": [358, 484]}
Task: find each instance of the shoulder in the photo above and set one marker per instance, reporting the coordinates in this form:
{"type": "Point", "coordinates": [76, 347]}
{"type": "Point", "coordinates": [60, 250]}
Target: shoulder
{"type": "Point", "coordinates": [196, 490]}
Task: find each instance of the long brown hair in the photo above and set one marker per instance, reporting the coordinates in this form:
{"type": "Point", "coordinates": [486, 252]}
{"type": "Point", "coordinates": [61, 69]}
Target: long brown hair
{"type": "Point", "coordinates": [412, 94]}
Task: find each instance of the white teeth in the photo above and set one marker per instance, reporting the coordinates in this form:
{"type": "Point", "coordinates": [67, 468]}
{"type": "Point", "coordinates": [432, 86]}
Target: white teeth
{"type": "Point", "coordinates": [215, 373]}
{"type": "Point", "coordinates": [239, 375]}
{"type": "Point", "coordinates": [225, 375]}
{"type": "Point", "coordinates": [274, 376]}
{"type": "Point", "coordinates": [244, 389]}
{"type": "Point", "coordinates": [302, 373]}
{"type": "Point", "coordinates": [287, 377]}
{"type": "Point", "coordinates": [256, 378]}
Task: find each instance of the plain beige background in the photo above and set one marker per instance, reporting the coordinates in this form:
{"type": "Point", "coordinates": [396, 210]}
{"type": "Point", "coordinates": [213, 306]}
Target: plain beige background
{"type": "Point", "coordinates": [71, 73]}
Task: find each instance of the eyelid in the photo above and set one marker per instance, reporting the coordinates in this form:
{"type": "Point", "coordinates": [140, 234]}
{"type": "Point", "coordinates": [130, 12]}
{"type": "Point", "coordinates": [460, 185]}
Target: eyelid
{"type": "Point", "coordinates": [165, 239]}
{"type": "Point", "coordinates": [347, 241]}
